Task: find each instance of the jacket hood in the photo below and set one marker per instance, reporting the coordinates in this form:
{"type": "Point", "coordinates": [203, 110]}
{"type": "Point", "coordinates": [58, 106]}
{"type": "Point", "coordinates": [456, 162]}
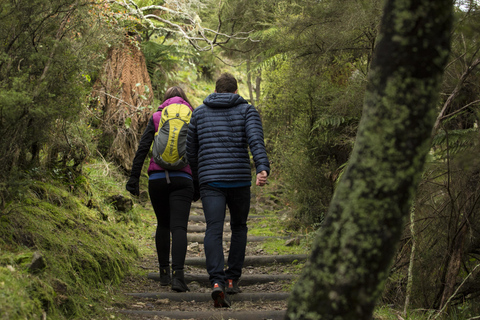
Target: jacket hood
{"type": "Point", "coordinates": [173, 100]}
{"type": "Point", "coordinates": [223, 100]}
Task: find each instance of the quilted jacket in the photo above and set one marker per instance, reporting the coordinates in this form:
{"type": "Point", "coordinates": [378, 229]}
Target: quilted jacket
{"type": "Point", "coordinates": [219, 134]}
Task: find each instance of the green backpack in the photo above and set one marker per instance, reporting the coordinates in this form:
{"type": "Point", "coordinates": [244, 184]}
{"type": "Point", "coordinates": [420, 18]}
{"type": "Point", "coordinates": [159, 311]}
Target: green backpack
{"type": "Point", "coordinates": [171, 137]}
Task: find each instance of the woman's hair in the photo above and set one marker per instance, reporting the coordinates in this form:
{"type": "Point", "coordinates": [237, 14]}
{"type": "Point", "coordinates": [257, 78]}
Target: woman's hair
{"type": "Point", "coordinates": [176, 92]}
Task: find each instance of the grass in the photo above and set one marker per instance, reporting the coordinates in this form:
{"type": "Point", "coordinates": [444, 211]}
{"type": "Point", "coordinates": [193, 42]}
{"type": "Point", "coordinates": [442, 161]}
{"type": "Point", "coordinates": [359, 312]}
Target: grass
{"type": "Point", "coordinates": [274, 223]}
{"type": "Point", "coordinates": [83, 241]}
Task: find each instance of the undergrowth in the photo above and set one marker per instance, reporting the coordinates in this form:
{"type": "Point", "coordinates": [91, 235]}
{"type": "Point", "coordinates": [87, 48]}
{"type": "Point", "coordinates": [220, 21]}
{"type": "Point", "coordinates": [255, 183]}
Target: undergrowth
{"type": "Point", "coordinates": [276, 214]}
{"type": "Point", "coordinates": [82, 241]}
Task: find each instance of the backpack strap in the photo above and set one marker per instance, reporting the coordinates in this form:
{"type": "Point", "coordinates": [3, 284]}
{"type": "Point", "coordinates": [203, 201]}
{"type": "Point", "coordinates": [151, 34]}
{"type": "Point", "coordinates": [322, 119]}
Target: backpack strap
{"type": "Point", "coordinates": [167, 176]}
{"type": "Point", "coordinates": [156, 119]}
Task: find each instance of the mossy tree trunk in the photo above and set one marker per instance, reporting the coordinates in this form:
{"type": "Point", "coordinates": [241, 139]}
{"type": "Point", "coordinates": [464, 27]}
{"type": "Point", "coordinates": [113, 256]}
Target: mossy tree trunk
{"type": "Point", "coordinates": [353, 251]}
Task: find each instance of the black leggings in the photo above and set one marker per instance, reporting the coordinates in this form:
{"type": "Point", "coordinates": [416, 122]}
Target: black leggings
{"type": "Point", "coordinates": [171, 203]}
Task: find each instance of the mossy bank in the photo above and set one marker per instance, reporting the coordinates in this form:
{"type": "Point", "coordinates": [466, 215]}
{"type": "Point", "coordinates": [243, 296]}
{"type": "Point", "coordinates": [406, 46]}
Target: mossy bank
{"type": "Point", "coordinates": [63, 245]}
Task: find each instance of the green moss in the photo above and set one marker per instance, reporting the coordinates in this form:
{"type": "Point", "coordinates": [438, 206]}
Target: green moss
{"type": "Point", "coordinates": [15, 300]}
{"type": "Point", "coordinates": [83, 253]}
{"type": "Point", "coordinates": [272, 226]}
{"type": "Point", "coordinates": [277, 246]}
{"type": "Point", "coordinates": [269, 228]}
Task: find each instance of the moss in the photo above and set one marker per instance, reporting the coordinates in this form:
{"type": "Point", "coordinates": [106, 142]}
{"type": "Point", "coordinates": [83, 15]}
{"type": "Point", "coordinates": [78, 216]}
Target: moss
{"type": "Point", "coordinates": [15, 299]}
{"type": "Point", "coordinates": [83, 254]}
{"type": "Point", "coordinates": [272, 226]}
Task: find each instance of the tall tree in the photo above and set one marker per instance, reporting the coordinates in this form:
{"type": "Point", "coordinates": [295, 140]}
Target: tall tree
{"type": "Point", "coordinates": [48, 50]}
{"type": "Point", "coordinates": [353, 250]}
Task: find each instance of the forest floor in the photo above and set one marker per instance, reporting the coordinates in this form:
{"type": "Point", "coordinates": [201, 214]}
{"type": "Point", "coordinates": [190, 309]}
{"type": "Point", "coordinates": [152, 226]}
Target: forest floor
{"type": "Point", "coordinates": [265, 288]}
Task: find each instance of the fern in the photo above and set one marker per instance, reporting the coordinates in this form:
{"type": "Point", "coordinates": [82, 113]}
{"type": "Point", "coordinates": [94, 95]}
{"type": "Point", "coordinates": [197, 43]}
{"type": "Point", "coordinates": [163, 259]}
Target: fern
{"type": "Point", "coordinates": [454, 141]}
{"type": "Point", "coordinates": [160, 56]}
{"type": "Point", "coordinates": [329, 121]}
{"type": "Point", "coordinates": [455, 137]}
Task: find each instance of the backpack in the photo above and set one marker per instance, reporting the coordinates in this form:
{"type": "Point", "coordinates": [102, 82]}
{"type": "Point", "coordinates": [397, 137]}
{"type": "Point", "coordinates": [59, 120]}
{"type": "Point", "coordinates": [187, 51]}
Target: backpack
{"type": "Point", "coordinates": [170, 139]}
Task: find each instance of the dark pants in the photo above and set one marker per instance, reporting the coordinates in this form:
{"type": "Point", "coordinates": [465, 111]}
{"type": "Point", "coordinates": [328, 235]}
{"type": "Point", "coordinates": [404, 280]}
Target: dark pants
{"type": "Point", "coordinates": [171, 203]}
{"type": "Point", "coordinates": [214, 202]}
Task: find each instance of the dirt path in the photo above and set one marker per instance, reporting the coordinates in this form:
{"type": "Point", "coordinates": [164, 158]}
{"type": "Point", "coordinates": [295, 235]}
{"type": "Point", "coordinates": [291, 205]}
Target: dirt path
{"type": "Point", "coordinates": [265, 283]}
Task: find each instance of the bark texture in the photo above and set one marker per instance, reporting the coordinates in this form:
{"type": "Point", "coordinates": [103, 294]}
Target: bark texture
{"type": "Point", "coordinates": [122, 97]}
{"type": "Point", "coordinates": [354, 248]}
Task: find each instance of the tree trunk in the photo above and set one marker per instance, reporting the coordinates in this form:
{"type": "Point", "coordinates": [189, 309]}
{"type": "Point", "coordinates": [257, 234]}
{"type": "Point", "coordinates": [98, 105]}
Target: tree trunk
{"type": "Point", "coordinates": [249, 81]}
{"type": "Point", "coordinates": [412, 260]}
{"type": "Point", "coordinates": [454, 264]}
{"type": "Point", "coordinates": [122, 97]}
{"type": "Point", "coordinates": [258, 81]}
{"type": "Point", "coordinates": [353, 251]}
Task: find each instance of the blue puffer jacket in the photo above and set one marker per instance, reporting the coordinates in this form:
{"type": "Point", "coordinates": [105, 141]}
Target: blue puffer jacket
{"type": "Point", "coordinates": [219, 134]}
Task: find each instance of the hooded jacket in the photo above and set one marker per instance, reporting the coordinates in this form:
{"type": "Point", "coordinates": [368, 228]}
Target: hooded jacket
{"type": "Point", "coordinates": [147, 140]}
{"type": "Point", "coordinates": [219, 134]}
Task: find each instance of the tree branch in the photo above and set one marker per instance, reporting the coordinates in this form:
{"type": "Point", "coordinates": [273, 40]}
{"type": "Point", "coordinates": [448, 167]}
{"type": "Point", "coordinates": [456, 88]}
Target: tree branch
{"type": "Point", "coordinates": [456, 291]}
{"type": "Point", "coordinates": [455, 92]}
{"type": "Point", "coordinates": [190, 27]}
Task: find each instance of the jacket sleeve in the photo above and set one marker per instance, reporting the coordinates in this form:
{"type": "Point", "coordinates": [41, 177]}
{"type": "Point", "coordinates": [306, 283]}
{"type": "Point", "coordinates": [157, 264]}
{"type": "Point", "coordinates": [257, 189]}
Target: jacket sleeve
{"type": "Point", "coordinates": [192, 147]}
{"type": "Point", "coordinates": [255, 139]}
{"type": "Point", "coordinates": [143, 149]}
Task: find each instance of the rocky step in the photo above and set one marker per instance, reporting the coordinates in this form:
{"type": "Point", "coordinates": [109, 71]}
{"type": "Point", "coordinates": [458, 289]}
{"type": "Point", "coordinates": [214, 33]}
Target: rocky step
{"type": "Point", "coordinates": [226, 236]}
{"type": "Point", "coordinates": [206, 297]}
{"type": "Point", "coordinates": [219, 314]}
{"type": "Point", "coordinates": [255, 260]}
{"type": "Point", "coordinates": [201, 218]}
{"type": "Point", "coordinates": [245, 280]}
{"type": "Point", "coordinates": [196, 228]}
{"type": "Point", "coordinates": [263, 296]}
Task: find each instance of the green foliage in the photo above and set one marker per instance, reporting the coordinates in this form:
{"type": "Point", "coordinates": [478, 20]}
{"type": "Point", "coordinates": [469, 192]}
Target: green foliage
{"type": "Point", "coordinates": [171, 61]}
{"type": "Point", "coordinates": [447, 197]}
{"type": "Point", "coordinates": [77, 233]}
{"type": "Point", "coordinates": [453, 142]}
{"type": "Point", "coordinates": [351, 255]}
{"type": "Point", "coordinates": [164, 61]}
{"type": "Point", "coordinates": [48, 51]}
{"type": "Point", "coordinates": [460, 83]}
{"type": "Point", "coordinates": [310, 122]}
{"type": "Point", "coordinates": [275, 225]}
{"type": "Point", "coordinates": [313, 60]}
{"type": "Point", "coordinates": [448, 193]}
{"type": "Point", "coordinates": [464, 311]}
{"type": "Point", "coordinates": [252, 18]}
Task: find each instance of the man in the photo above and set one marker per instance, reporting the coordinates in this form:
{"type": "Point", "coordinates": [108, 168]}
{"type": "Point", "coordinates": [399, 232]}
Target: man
{"type": "Point", "coordinates": [219, 134]}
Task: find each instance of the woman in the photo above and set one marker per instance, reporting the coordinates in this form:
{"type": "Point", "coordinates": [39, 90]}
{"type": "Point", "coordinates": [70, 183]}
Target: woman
{"type": "Point", "coordinates": [171, 201]}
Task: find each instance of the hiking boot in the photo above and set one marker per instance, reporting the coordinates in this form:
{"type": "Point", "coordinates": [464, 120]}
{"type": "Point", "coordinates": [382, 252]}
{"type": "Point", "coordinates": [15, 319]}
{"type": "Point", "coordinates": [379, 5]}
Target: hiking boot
{"type": "Point", "coordinates": [232, 287]}
{"type": "Point", "coordinates": [165, 276]}
{"type": "Point", "coordinates": [178, 281]}
{"type": "Point", "coordinates": [219, 297]}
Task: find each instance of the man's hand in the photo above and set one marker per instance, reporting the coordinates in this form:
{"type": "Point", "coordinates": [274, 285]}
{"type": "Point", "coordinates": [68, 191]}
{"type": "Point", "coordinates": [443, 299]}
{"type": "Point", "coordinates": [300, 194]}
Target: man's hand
{"type": "Point", "coordinates": [262, 178]}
